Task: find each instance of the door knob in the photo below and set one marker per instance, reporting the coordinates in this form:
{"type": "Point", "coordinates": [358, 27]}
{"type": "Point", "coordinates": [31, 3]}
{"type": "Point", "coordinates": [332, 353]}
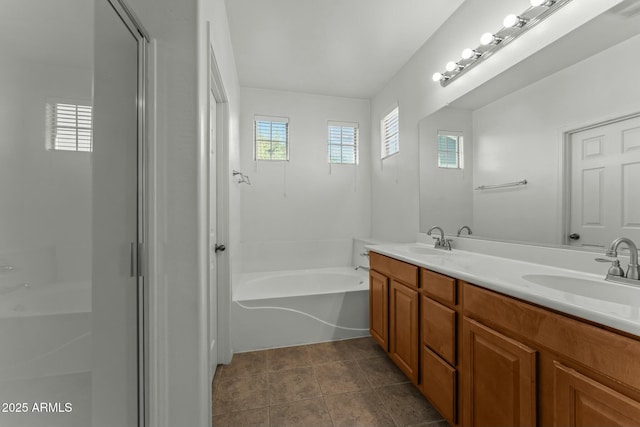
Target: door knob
{"type": "Point", "coordinates": [219, 248]}
{"type": "Point", "coordinates": [574, 236]}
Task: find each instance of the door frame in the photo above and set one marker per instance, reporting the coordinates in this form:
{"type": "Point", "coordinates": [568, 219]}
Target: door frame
{"type": "Point", "coordinates": [564, 174]}
{"type": "Point", "coordinates": [216, 87]}
{"type": "Point", "coordinates": [133, 24]}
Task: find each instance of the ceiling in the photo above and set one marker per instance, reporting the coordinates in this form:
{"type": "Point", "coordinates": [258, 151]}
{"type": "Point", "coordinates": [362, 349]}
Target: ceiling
{"type": "Point", "coordinates": [345, 48]}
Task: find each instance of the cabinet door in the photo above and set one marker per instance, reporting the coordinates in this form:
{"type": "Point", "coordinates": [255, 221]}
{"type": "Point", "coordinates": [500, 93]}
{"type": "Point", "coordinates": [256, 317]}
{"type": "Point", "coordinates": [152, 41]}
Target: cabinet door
{"type": "Point", "coordinates": [403, 329]}
{"type": "Point", "coordinates": [379, 308]}
{"type": "Point", "coordinates": [582, 401]}
{"type": "Point", "coordinates": [499, 379]}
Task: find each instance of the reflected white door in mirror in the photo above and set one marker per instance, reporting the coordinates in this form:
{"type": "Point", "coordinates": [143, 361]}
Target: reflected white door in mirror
{"type": "Point", "coordinates": [605, 172]}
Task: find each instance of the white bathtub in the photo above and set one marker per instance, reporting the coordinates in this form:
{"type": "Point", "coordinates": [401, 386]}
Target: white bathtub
{"type": "Point", "coordinates": [284, 308]}
{"type": "Point", "coordinates": [45, 330]}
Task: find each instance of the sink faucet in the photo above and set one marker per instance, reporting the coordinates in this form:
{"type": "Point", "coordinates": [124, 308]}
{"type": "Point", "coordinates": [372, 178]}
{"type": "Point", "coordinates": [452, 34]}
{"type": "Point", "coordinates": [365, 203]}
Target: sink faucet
{"type": "Point", "coordinates": [632, 271]}
{"type": "Point", "coordinates": [441, 242]}
{"type": "Point", "coordinates": [464, 227]}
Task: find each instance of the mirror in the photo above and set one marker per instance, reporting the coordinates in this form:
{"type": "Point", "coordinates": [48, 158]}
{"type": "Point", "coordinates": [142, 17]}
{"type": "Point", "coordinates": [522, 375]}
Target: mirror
{"type": "Point", "coordinates": [545, 121]}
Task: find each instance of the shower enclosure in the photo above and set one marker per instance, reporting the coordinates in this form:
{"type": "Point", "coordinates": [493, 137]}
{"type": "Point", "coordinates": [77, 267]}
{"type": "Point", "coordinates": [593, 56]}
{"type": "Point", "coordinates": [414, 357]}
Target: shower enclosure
{"type": "Point", "coordinates": [71, 291]}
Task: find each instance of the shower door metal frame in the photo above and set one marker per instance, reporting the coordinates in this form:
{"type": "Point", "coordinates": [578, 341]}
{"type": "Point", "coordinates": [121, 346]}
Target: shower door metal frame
{"type": "Point", "coordinates": [136, 29]}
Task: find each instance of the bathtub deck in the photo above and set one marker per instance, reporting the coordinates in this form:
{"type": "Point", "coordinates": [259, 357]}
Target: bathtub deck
{"type": "Point", "coordinates": [349, 382]}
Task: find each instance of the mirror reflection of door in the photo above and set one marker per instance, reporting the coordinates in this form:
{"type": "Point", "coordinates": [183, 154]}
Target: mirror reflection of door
{"type": "Point", "coordinates": [605, 177]}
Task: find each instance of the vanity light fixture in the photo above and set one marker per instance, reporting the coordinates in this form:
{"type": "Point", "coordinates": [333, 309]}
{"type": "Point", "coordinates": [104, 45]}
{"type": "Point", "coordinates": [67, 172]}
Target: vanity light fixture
{"type": "Point", "coordinates": [513, 27]}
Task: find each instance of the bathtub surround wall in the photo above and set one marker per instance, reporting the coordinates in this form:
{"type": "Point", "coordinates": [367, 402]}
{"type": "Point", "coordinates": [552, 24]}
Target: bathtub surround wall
{"type": "Point", "coordinates": [46, 194]}
{"type": "Point", "coordinates": [302, 213]}
{"type": "Point", "coordinates": [395, 181]}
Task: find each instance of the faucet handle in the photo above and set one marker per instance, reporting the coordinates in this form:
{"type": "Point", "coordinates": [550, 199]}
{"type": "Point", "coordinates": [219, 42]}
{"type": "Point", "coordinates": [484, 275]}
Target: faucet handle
{"type": "Point", "coordinates": [615, 269]}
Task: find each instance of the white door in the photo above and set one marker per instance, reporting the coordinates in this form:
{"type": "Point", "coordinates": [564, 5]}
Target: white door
{"type": "Point", "coordinates": [213, 242]}
{"type": "Point", "coordinates": [605, 179]}
{"type": "Point", "coordinates": [116, 299]}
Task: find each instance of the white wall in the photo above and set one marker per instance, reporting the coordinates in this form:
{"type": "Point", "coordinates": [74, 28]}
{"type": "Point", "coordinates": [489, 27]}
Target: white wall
{"type": "Point", "coordinates": [179, 380]}
{"type": "Point", "coordinates": [520, 137]}
{"type": "Point", "coordinates": [395, 181]}
{"type": "Point", "coordinates": [446, 195]}
{"type": "Point", "coordinates": [46, 205]}
{"type": "Point", "coordinates": [302, 213]}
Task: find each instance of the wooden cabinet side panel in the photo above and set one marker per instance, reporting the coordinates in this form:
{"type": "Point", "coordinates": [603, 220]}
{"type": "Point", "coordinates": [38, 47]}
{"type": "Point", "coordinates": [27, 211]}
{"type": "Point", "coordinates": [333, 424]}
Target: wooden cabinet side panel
{"type": "Point", "coordinates": [499, 379]}
{"type": "Point", "coordinates": [379, 308]}
{"type": "Point", "coordinates": [403, 329]}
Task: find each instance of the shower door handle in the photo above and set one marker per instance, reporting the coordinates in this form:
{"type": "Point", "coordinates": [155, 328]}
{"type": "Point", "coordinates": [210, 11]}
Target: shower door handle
{"type": "Point", "coordinates": [135, 259]}
{"type": "Point", "coordinates": [132, 259]}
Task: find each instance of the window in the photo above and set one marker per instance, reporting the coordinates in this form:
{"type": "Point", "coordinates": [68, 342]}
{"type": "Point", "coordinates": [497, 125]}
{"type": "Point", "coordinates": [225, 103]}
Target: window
{"type": "Point", "coordinates": [69, 126]}
{"type": "Point", "coordinates": [390, 134]}
{"type": "Point", "coordinates": [271, 136]}
{"type": "Point", "coordinates": [450, 154]}
{"type": "Point", "coordinates": [343, 143]}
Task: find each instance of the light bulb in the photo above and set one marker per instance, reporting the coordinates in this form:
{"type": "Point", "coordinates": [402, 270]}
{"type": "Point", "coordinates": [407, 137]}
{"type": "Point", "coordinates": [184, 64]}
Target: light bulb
{"type": "Point", "coordinates": [546, 3]}
{"type": "Point", "coordinates": [437, 77]}
{"type": "Point", "coordinates": [487, 38]}
{"type": "Point", "coordinates": [468, 53]}
{"type": "Point", "coordinates": [451, 66]}
{"type": "Point", "coordinates": [513, 21]}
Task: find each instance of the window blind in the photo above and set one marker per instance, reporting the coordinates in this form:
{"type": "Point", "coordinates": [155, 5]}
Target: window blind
{"type": "Point", "coordinates": [390, 134]}
{"type": "Point", "coordinates": [343, 143]}
{"type": "Point", "coordinates": [271, 138]}
{"type": "Point", "coordinates": [450, 145]}
{"type": "Point", "coordinates": [71, 127]}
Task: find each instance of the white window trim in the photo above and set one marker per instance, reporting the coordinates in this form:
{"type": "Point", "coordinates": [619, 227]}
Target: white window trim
{"type": "Point", "coordinates": [384, 139]}
{"type": "Point", "coordinates": [52, 126]}
{"type": "Point", "coordinates": [272, 119]}
{"type": "Point", "coordinates": [356, 144]}
{"type": "Point", "coordinates": [460, 150]}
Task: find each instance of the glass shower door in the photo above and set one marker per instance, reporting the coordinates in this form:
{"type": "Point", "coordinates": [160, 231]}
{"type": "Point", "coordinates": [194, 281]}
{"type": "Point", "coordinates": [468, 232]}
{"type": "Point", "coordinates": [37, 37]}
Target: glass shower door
{"type": "Point", "coordinates": [45, 212]}
{"type": "Point", "coordinates": [71, 108]}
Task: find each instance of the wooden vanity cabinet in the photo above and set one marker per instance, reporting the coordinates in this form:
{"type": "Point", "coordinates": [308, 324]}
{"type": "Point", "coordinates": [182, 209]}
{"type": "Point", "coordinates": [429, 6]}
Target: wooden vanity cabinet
{"type": "Point", "coordinates": [438, 353]}
{"type": "Point", "coordinates": [395, 324]}
{"type": "Point", "coordinates": [379, 308]}
{"type": "Point", "coordinates": [486, 359]}
{"type": "Point", "coordinates": [526, 365]}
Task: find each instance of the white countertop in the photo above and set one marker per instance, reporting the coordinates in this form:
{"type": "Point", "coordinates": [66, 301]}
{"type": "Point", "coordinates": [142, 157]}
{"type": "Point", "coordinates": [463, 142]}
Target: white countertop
{"type": "Point", "coordinates": [584, 295]}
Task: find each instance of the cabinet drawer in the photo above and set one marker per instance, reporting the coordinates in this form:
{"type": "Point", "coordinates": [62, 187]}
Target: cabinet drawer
{"type": "Point", "coordinates": [405, 273]}
{"type": "Point", "coordinates": [439, 329]}
{"type": "Point", "coordinates": [439, 384]}
{"type": "Point", "coordinates": [379, 263]}
{"type": "Point", "coordinates": [439, 286]}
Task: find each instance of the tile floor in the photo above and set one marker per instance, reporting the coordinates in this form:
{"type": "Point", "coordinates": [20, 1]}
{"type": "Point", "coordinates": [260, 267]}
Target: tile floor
{"type": "Point", "coordinates": [342, 383]}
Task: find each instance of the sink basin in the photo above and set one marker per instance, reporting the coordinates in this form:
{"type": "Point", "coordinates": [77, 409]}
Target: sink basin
{"type": "Point", "coordinates": [426, 250]}
{"type": "Point", "coordinates": [593, 289]}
